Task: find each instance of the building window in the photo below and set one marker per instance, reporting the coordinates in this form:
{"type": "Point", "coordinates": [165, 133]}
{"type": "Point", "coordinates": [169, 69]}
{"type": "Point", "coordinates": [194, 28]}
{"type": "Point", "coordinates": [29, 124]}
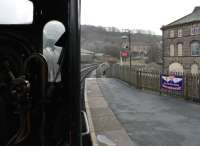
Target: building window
{"type": "Point", "coordinates": [194, 69]}
{"type": "Point", "coordinates": [171, 35]}
{"type": "Point", "coordinates": [180, 49]}
{"type": "Point", "coordinates": [194, 30]}
{"type": "Point", "coordinates": [195, 48]}
{"type": "Point", "coordinates": [171, 50]}
{"type": "Point", "coordinates": [180, 33]}
{"type": "Point", "coordinates": [16, 12]}
{"type": "Point", "coordinates": [52, 32]}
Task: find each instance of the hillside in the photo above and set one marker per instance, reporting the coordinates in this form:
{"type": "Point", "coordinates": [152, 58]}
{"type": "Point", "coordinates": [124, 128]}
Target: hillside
{"type": "Point", "coordinates": [109, 41]}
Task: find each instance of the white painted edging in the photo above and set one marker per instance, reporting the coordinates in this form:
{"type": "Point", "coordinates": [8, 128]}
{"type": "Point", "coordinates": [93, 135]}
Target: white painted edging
{"type": "Point", "coordinates": [91, 126]}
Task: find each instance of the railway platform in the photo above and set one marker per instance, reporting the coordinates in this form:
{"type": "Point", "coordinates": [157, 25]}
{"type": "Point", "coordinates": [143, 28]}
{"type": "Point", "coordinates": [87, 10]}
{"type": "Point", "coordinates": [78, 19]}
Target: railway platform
{"type": "Point", "coordinates": [120, 115]}
{"type": "Point", "coordinates": [105, 128]}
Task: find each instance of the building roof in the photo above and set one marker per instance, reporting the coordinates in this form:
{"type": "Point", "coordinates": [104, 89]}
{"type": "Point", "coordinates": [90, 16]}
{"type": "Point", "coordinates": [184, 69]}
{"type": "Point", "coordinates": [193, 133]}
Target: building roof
{"type": "Point", "coordinates": [192, 17]}
{"type": "Point", "coordinates": [83, 51]}
{"type": "Point", "coordinates": [99, 54]}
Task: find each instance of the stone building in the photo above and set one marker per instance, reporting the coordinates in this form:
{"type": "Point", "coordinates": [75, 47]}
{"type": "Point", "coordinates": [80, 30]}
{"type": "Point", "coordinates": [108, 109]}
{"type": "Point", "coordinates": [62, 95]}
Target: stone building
{"type": "Point", "coordinates": [181, 44]}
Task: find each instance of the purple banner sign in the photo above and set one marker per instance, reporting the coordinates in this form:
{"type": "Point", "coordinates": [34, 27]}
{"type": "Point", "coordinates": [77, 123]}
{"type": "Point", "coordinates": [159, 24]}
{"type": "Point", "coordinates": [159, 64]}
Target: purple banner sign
{"type": "Point", "coordinates": [172, 82]}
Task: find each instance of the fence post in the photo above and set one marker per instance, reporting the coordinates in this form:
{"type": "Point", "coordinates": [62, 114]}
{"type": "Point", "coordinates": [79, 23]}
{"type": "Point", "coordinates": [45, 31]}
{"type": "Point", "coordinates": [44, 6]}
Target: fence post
{"type": "Point", "coordinates": [138, 74]}
{"type": "Point", "coordinates": [160, 88]}
{"type": "Point", "coordinates": [140, 79]}
{"type": "Point", "coordinates": [128, 75]}
{"type": "Point", "coordinates": [198, 87]}
{"type": "Point", "coordinates": [137, 78]}
{"type": "Point", "coordinates": [186, 86]}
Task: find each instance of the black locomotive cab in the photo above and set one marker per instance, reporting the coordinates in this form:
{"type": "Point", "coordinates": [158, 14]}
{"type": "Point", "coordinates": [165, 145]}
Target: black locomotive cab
{"type": "Point", "coordinates": [40, 73]}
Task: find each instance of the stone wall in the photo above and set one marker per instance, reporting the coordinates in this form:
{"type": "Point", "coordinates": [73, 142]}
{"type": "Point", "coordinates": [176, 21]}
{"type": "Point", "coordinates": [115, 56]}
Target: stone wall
{"type": "Point", "coordinates": [186, 59]}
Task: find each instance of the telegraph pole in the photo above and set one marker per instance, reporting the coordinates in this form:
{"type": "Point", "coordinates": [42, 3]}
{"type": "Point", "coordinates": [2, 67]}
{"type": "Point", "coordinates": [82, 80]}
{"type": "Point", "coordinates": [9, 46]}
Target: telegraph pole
{"type": "Point", "coordinates": [129, 46]}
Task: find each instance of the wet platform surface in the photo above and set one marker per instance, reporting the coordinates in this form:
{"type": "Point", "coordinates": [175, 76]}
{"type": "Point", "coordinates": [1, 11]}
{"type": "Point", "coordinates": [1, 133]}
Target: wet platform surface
{"type": "Point", "coordinates": [105, 128]}
{"type": "Point", "coordinates": [147, 118]}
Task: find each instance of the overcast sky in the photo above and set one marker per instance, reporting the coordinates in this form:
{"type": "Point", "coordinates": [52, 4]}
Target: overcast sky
{"type": "Point", "coordinates": [135, 14]}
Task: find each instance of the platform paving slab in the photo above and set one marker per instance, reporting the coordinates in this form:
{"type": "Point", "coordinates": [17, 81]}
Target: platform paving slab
{"type": "Point", "coordinates": [105, 128]}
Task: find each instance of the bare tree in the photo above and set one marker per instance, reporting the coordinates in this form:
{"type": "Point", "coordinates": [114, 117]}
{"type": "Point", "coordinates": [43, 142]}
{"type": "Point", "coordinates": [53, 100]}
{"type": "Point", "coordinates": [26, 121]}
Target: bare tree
{"type": "Point", "coordinates": [154, 53]}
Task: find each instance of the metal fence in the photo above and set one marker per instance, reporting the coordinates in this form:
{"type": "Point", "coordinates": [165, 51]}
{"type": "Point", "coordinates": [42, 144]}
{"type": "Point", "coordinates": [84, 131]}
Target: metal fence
{"type": "Point", "coordinates": [143, 79]}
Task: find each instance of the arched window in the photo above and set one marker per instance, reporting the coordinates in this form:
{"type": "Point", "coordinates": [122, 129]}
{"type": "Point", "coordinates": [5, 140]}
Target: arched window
{"type": "Point", "coordinates": [171, 35]}
{"type": "Point", "coordinates": [180, 49]}
{"type": "Point", "coordinates": [16, 12]}
{"type": "Point", "coordinates": [171, 50]}
{"type": "Point", "coordinates": [194, 69]}
{"type": "Point", "coordinates": [176, 67]}
{"type": "Point", "coordinates": [52, 31]}
{"type": "Point", "coordinates": [180, 34]}
{"type": "Point", "coordinates": [195, 48]}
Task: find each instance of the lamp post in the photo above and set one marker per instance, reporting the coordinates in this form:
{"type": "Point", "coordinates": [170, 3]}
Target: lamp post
{"type": "Point", "coordinates": [127, 39]}
{"type": "Point", "coordinates": [123, 46]}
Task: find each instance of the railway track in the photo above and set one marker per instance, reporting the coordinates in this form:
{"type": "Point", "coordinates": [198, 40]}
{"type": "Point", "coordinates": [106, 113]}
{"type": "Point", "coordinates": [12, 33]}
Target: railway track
{"type": "Point", "coordinates": [85, 71]}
